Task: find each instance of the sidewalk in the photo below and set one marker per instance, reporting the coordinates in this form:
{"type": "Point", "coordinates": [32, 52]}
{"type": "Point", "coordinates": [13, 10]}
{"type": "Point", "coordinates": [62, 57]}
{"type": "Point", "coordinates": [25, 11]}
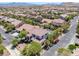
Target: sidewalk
{"type": "Point", "coordinates": [13, 52]}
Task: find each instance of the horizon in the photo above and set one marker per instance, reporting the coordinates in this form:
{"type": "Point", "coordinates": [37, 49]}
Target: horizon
{"type": "Point", "coordinates": [37, 3]}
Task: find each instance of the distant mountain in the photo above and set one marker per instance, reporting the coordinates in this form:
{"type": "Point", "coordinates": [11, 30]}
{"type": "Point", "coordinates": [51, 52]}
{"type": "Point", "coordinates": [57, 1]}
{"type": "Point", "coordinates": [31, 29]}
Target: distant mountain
{"type": "Point", "coordinates": [70, 4]}
{"type": "Point", "coordinates": [17, 4]}
{"type": "Point", "coordinates": [54, 3]}
{"type": "Point", "coordinates": [28, 3]}
{"type": "Point", "coordinates": [39, 4]}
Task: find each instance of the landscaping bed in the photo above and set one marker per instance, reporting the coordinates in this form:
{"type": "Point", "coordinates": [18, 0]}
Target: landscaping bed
{"type": "Point", "coordinates": [6, 53]}
{"type": "Point", "coordinates": [21, 46]}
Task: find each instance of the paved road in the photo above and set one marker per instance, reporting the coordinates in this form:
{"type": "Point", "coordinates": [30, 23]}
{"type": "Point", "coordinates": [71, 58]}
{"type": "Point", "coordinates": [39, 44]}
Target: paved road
{"type": "Point", "coordinates": [7, 37]}
{"type": "Point", "coordinates": [7, 43]}
{"type": "Point", "coordinates": [65, 40]}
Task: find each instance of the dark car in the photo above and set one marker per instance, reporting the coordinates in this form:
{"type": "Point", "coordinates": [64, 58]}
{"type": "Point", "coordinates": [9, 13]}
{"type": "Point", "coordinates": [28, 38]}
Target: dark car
{"type": "Point", "coordinates": [56, 41]}
{"type": "Point", "coordinates": [77, 36]}
{"type": "Point", "coordinates": [6, 31]}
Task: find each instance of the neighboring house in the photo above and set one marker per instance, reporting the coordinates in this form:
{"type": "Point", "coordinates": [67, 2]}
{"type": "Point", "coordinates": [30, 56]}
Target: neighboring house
{"type": "Point", "coordinates": [58, 22]}
{"type": "Point", "coordinates": [20, 15]}
{"type": "Point", "coordinates": [39, 18]}
{"type": "Point", "coordinates": [15, 22]}
{"type": "Point", "coordinates": [37, 33]}
{"type": "Point", "coordinates": [70, 13]}
{"type": "Point", "coordinates": [47, 21]}
{"type": "Point", "coordinates": [63, 16]}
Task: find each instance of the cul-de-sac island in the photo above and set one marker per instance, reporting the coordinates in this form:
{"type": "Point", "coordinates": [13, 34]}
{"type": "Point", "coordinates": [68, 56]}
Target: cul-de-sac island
{"type": "Point", "coordinates": [39, 29]}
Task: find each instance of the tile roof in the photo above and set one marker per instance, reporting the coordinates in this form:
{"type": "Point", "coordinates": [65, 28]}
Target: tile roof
{"type": "Point", "coordinates": [33, 29]}
{"type": "Point", "coordinates": [15, 22]}
{"type": "Point", "coordinates": [47, 20]}
{"type": "Point", "coordinates": [58, 21]}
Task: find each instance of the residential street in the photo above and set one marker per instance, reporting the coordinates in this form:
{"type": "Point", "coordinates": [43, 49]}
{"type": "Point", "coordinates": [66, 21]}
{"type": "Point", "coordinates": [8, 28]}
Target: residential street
{"type": "Point", "coordinates": [6, 36]}
{"type": "Point", "coordinates": [65, 40]}
{"type": "Point", "coordinates": [7, 43]}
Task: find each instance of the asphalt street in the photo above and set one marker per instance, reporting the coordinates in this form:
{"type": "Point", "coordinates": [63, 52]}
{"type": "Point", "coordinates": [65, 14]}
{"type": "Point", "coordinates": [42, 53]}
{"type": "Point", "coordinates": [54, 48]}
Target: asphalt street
{"type": "Point", "coordinates": [6, 36]}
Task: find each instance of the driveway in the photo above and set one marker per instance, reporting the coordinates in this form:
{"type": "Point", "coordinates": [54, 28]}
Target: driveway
{"type": "Point", "coordinates": [13, 52]}
{"type": "Point", "coordinates": [65, 40]}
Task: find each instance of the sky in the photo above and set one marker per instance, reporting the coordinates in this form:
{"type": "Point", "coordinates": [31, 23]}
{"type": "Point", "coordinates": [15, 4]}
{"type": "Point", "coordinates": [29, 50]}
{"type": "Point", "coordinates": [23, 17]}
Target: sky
{"type": "Point", "coordinates": [39, 0]}
{"type": "Point", "coordinates": [45, 2]}
{"type": "Point", "coordinates": [33, 2]}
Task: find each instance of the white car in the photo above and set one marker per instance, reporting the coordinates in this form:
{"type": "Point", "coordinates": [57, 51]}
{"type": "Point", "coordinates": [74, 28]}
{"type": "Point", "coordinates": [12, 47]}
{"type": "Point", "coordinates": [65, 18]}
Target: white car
{"type": "Point", "coordinates": [15, 34]}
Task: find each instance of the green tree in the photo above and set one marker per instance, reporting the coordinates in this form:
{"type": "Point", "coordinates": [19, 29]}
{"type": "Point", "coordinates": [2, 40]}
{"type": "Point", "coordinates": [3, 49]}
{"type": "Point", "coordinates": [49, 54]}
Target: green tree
{"type": "Point", "coordinates": [65, 27]}
{"type": "Point", "coordinates": [32, 49]}
{"type": "Point", "coordinates": [22, 33]}
{"type": "Point", "coordinates": [54, 35]}
{"type": "Point", "coordinates": [47, 44]}
{"type": "Point", "coordinates": [49, 26]}
{"type": "Point", "coordinates": [64, 52]}
{"type": "Point", "coordinates": [1, 39]}
{"type": "Point", "coordinates": [71, 47]}
{"type": "Point", "coordinates": [8, 26]}
{"type": "Point", "coordinates": [68, 18]}
{"type": "Point", "coordinates": [1, 49]}
{"type": "Point", "coordinates": [15, 42]}
{"type": "Point", "coordinates": [50, 37]}
{"type": "Point", "coordinates": [77, 30]}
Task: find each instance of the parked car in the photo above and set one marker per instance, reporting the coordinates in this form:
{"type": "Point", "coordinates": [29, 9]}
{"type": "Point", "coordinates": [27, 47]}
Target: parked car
{"type": "Point", "coordinates": [14, 31]}
{"type": "Point", "coordinates": [77, 36]}
{"type": "Point", "coordinates": [6, 31]}
{"type": "Point", "coordinates": [56, 41]}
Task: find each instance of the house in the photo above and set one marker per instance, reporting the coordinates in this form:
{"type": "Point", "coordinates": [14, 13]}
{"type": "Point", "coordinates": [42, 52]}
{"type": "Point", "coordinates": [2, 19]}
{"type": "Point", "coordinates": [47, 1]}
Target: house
{"type": "Point", "coordinates": [46, 21]}
{"type": "Point", "coordinates": [15, 22]}
{"type": "Point", "coordinates": [63, 16]}
{"type": "Point", "coordinates": [58, 22]}
{"type": "Point", "coordinates": [37, 33]}
{"type": "Point", "coordinates": [20, 15]}
{"type": "Point", "coordinates": [39, 18]}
